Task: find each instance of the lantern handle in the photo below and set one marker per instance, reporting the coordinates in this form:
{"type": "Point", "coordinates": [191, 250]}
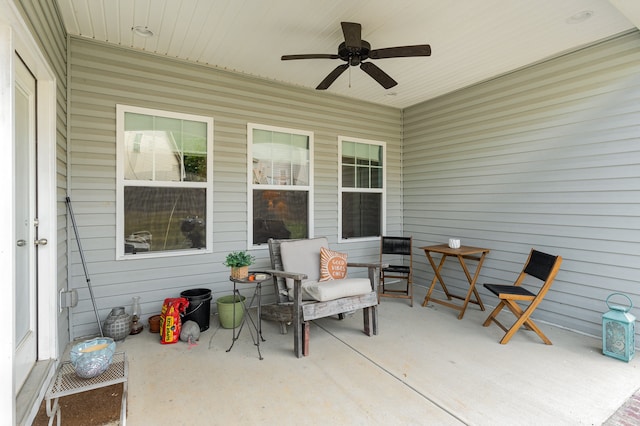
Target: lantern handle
{"type": "Point", "coordinates": [620, 308]}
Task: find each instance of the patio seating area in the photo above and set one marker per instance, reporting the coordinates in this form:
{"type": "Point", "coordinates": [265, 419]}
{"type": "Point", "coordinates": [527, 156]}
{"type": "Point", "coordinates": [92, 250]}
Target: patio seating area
{"type": "Point", "coordinates": [424, 367]}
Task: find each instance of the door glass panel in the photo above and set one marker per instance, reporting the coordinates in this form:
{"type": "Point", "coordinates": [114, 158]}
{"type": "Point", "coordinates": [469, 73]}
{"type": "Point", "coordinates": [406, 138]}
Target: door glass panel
{"type": "Point", "coordinates": [23, 228]}
{"type": "Point", "coordinates": [26, 331]}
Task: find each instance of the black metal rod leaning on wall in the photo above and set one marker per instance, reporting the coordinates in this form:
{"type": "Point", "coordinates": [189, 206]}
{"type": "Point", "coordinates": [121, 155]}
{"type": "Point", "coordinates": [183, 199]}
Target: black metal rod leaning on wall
{"type": "Point", "coordinates": [84, 264]}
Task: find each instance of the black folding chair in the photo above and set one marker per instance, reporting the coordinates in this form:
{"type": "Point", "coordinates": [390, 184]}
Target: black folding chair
{"type": "Point", "coordinates": [398, 248]}
{"type": "Point", "coordinates": [539, 265]}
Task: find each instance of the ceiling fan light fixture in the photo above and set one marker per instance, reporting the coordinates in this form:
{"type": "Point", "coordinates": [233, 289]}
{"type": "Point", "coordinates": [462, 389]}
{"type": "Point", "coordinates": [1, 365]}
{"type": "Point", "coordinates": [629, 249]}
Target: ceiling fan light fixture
{"type": "Point", "coordinates": [142, 31]}
{"type": "Point", "coordinates": [579, 17]}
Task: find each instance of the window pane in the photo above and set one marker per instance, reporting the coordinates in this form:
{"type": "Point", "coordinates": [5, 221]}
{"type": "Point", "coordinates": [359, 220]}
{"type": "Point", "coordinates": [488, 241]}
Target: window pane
{"type": "Point", "coordinates": [361, 214]}
{"type": "Point", "coordinates": [363, 177]}
{"type": "Point", "coordinates": [348, 176]}
{"type": "Point", "coordinates": [279, 214]}
{"type": "Point", "coordinates": [194, 145]}
{"type": "Point", "coordinates": [376, 177]}
{"type": "Point", "coordinates": [348, 152]}
{"type": "Point", "coordinates": [362, 154]}
{"type": "Point", "coordinates": [164, 149]}
{"type": "Point", "coordinates": [160, 219]}
{"type": "Point", "coordinates": [133, 121]}
{"type": "Point", "coordinates": [172, 127]}
{"type": "Point", "coordinates": [368, 158]}
{"type": "Point", "coordinates": [280, 158]}
{"type": "Point", "coordinates": [300, 141]}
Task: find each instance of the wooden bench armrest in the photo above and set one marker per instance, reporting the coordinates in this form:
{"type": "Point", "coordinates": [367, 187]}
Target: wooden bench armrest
{"type": "Point", "coordinates": [286, 274]}
{"type": "Point", "coordinates": [367, 265]}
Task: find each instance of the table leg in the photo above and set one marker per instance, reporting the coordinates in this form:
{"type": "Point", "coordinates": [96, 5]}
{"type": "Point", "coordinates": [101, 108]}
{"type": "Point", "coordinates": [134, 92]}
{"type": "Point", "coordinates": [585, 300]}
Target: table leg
{"type": "Point", "coordinates": [472, 284]}
{"type": "Point", "coordinates": [123, 403]}
{"type": "Point", "coordinates": [235, 337]}
{"type": "Point", "coordinates": [259, 319]}
{"type": "Point", "coordinates": [437, 277]}
{"type": "Point", "coordinates": [53, 411]}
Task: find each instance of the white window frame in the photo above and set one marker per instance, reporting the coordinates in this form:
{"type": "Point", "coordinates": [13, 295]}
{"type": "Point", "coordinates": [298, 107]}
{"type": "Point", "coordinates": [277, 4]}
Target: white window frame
{"type": "Point", "coordinates": [383, 190]}
{"type": "Point", "coordinates": [251, 186]}
{"type": "Point", "coordinates": [121, 182]}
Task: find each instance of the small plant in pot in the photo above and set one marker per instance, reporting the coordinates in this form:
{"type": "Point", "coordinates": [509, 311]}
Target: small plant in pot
{"type": "Point", "coordinates": [239, 262]}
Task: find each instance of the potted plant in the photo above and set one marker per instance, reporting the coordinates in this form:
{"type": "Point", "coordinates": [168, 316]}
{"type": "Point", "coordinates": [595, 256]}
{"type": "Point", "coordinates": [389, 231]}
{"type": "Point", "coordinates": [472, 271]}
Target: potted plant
{"type": "Point", "coordinates": [239, 262]}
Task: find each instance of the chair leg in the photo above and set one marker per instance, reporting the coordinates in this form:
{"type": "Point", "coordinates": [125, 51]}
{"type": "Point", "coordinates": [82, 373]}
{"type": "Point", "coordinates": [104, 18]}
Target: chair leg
{"type": "Point", "coordinates": [366, 314]}
{"type": "Point", "coordinates": [374, 319]}
{"type": "Point", "coordinates": [494, 314]}
{"type": "Point", "coordinates": [410, 292]}
{"type": "Point", "coordinates": [518, 312]}
{"type": "Point", "coordinates": [407, 293]}
{"type": "Point", "coordinates": [298, 338]}
{"type": "Point", "coordinates": [306, 328]}
{"type": "Point", "coordinates": [523, 319]}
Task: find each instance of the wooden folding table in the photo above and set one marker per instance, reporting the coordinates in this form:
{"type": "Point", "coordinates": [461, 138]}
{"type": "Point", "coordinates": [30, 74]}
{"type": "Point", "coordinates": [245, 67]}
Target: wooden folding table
{"type": "Point", "coordinates": [464, 252]}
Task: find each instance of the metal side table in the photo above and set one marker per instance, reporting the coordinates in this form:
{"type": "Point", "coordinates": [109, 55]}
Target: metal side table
{"type": "Point", "coordinates": [67, 382]}
{"type": "Point", "coordinates": [255, 278]}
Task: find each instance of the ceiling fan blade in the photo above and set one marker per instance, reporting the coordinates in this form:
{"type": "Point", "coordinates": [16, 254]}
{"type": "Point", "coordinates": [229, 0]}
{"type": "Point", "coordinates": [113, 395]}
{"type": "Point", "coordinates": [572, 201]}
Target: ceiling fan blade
{"type": "Point", "coordinates": [309, 56]}
{"type": "Point", "coordinates": [378, 75]}
{"type": "Point", "coordinates": [333, 75]}
{"type": "Point", "coordinates": [401, 52]}
{"type": "Point", "coordinates": [352, 34]}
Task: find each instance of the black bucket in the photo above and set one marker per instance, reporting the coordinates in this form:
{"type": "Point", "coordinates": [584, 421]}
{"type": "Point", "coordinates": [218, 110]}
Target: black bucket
{"type": "Point", "coordinates": [199, 308]}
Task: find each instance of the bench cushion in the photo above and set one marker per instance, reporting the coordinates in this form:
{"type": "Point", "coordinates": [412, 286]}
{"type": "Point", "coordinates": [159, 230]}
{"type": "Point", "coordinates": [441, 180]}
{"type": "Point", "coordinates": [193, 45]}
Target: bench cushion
{"type": "Point", "coordinates": [323, 291]}
{"type": "Point", "coordinates": [303, 256]}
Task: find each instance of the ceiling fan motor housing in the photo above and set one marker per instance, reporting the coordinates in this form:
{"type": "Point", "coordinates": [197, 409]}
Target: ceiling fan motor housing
{"type": "Point", "coordinates": [354, 55]}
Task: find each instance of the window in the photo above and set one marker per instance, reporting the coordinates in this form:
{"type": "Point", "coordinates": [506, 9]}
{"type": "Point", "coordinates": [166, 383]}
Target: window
{"type": "Point", "coordinates": [164, 183]}
{"type": "Point", "coordinates": [280, 182]}
{"type": "Point", "coordinates": [362, 182]}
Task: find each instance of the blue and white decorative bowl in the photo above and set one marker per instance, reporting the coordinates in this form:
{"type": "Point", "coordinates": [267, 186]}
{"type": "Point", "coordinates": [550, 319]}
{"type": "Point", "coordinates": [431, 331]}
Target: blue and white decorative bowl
{"type": "Point", "coordinates": [92, 357]}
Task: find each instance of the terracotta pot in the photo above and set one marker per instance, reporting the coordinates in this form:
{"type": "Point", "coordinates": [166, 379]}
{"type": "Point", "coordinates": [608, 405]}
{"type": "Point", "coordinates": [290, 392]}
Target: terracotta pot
{"type": "Point", "coordinates": [154, 324]}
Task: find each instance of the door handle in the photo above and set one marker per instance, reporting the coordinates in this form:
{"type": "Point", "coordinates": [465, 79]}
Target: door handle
{"type": "Point", "coordinates": [41, 242]}
{"type": "Point", "coordinates": [21, 243]}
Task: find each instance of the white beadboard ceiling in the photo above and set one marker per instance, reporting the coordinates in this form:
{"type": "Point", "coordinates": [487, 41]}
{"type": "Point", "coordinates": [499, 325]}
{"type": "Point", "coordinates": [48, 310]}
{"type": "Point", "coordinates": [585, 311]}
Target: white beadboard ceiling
{"type": "Point", "coordinates": [471, 40]}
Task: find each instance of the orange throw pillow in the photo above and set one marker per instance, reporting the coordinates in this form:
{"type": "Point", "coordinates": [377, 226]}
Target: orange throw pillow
{"type": "Point", "coordinates": [333, 265]}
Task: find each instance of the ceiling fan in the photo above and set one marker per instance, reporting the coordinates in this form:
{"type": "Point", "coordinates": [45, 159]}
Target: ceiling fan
{"type": "Point", "coordinates": [354, 51]}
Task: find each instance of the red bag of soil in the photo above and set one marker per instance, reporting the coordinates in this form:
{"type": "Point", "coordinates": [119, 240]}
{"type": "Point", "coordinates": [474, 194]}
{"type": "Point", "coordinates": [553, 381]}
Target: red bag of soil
{"type": "Point", "coordinates": [170, 322]}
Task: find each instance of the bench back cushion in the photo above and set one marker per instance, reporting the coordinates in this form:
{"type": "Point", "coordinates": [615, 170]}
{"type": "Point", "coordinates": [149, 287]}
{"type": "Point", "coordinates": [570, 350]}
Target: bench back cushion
{"type": "Point", "coordinates": [302, 256]}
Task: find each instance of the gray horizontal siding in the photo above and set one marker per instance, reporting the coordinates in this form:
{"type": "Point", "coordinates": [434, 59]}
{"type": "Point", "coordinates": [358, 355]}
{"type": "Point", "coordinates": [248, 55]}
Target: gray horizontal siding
{"type": "Point", "coordinates": [545, 157]}
{"type": "Point", "coordinates": [103, 76]}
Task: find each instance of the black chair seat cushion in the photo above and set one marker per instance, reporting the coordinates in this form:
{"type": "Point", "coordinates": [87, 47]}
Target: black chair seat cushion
{"type": "Point", "coordinates": [516, 290]}
{"type": "Point", "coordinates": [397, 269]}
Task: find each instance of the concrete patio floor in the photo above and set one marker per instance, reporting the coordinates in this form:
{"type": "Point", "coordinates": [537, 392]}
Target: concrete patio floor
{"type": "Point", "coordinates": [424, 367]}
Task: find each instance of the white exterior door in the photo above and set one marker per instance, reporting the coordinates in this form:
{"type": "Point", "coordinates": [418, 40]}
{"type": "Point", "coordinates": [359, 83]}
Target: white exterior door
{"type": "Point", "coordinates": [32, 333]}
{"type": "Point", "coordinates": [26, 224]}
